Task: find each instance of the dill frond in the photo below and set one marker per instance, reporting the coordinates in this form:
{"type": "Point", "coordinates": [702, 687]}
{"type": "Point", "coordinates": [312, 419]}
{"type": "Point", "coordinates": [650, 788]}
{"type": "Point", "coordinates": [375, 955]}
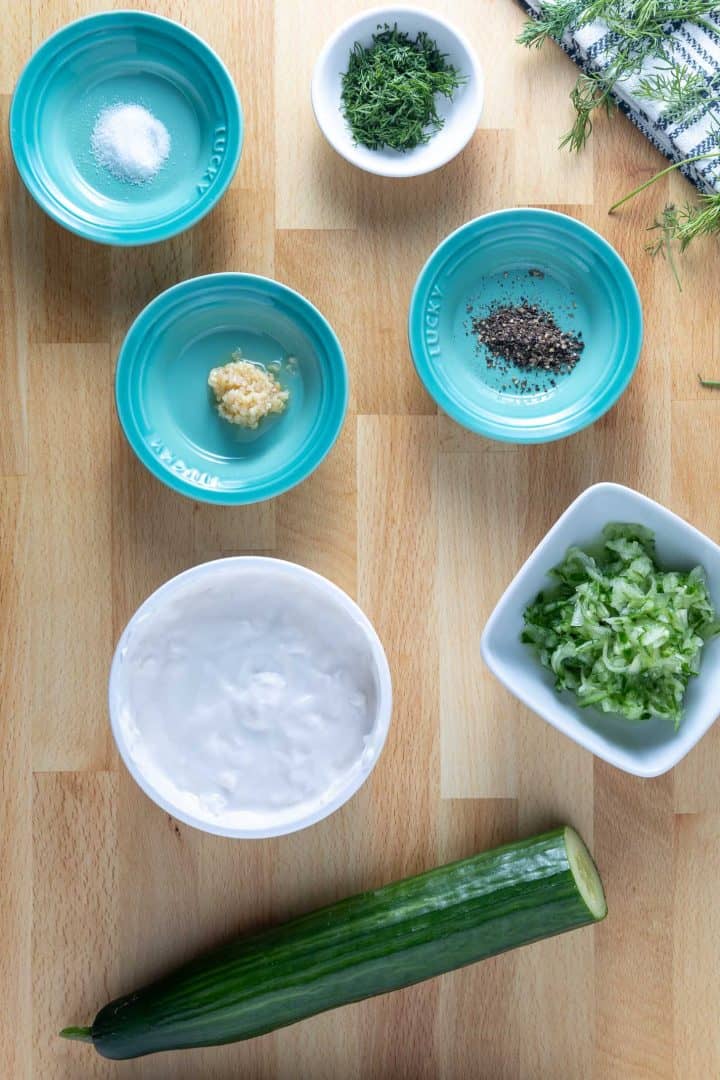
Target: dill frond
{"type": "Point", "coordinates": [554, 20]}
{"type": "Point", "coordinates": [663, 244]}
{"type": "Point", "coordinates": [679, 226]}
{"type": "Point", "coordinates": [686, 223]}
{"type": "Point", "coordinates": [678, 89]}
{"type": "Point", "coordinates": [643, 30]}
{"type": "Point", "coordinates": [644, 33]}
{"type": "Point", "coordinates": [590, 92]}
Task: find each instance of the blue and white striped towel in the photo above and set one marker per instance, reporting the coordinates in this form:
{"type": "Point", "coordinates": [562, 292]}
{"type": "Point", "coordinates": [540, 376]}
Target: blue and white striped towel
{"type": "Point", "coordinates": [694, 48]}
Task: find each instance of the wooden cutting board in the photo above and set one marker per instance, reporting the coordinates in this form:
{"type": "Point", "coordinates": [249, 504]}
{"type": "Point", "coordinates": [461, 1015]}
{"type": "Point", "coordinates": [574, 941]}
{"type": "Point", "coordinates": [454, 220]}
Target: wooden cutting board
{"type": "Point", "coordinates": [423, 523]}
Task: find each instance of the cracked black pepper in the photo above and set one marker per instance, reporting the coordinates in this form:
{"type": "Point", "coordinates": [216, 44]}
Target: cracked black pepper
{"type": "Point", "coordinates": [527, 336]}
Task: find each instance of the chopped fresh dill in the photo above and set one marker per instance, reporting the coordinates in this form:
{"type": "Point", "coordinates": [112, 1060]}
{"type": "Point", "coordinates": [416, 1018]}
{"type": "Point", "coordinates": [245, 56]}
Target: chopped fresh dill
{"type": "Point", "coordinates": [389, 88]}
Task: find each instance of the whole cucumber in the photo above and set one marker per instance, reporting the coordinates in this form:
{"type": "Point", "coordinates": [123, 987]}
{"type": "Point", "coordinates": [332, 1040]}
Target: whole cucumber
{"type": "Point", "coordinates": [366, 945]}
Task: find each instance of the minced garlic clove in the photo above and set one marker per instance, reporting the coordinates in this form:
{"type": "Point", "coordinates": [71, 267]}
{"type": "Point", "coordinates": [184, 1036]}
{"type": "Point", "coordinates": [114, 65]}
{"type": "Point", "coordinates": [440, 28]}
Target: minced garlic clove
{"type": "Point", "coordinates": [246, 393]}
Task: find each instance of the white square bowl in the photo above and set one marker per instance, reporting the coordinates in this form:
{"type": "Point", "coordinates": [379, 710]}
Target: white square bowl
{"type": "Point", "coordinates": [644, 749]}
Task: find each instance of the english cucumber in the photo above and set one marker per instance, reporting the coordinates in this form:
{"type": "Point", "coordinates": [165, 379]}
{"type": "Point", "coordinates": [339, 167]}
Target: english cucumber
{"type": "Point", "coordinates": [366, 945]}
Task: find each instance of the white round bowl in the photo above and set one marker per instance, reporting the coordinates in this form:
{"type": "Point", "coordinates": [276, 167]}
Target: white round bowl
{"type": "Point", "coordinates": [328, 601]}
{"type": "Point", "coordinates": [461, 115]}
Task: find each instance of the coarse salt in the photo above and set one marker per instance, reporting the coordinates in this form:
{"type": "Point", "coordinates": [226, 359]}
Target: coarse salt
{"type": "Point", "coordinates": [130, 142]}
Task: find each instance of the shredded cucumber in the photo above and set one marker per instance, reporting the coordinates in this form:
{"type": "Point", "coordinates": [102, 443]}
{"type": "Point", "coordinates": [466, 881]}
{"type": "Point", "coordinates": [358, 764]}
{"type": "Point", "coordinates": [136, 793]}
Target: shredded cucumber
{"type": "Point", "coordinates": [619, 632]}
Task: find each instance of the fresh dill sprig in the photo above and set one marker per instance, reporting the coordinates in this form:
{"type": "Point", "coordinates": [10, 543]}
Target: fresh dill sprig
{"type": "Point", "coordinates": [552, 21]}
{"type": "Point", "coordinates": [681, 225]}
{"type": "Point", "coordinates": [389, 88]}
{"type": "Point", "coordinates": [590, 92]}
{"type": "Point", "coordinates": [642, 31]}
{"type": "Point", "coordinates": [678, 89]}
{"type": "Point", "coordinates": [663, 244]}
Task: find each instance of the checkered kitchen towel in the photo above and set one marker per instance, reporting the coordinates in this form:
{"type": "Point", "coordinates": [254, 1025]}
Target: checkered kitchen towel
{"type": "Point", "coordinates": [695, 48]}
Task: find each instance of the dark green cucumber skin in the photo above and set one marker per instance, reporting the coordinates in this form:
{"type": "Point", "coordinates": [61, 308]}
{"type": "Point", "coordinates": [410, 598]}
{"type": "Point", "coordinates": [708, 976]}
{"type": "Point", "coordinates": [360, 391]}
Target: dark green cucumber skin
{"type": "Point", "coordinates": [366, 945]}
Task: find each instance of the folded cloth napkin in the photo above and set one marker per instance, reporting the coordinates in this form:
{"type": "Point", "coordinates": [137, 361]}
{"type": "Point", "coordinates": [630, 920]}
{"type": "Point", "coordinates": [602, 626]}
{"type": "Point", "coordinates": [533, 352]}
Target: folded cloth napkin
{"type": "Point", "coordinates": [693, 48]}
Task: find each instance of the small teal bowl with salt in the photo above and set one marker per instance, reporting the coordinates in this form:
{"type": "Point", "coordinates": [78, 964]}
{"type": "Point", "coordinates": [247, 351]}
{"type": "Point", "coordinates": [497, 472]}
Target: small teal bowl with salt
{"type": "Point", "coordinates": [169, 414]}
{"type": "Point", "coordinates": [104, 62]}
{"type": "Point", "coordinates": [549, 260]}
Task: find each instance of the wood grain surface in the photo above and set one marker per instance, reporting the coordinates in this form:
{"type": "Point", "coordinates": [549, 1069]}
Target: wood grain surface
{"type": "Point", "coordinates": [423, 523]}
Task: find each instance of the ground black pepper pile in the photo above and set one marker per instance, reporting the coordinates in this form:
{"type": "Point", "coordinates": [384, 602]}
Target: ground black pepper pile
{"type": "Point", "coordinates": [527, 337]}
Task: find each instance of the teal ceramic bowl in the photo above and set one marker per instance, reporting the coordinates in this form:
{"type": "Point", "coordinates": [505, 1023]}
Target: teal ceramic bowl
{"type": "Point", "coordinates": [551, 260]}
{"type": "Point", "coordinates": [125, 57]}
{"type": "Point", "coordinates": [168, 413]}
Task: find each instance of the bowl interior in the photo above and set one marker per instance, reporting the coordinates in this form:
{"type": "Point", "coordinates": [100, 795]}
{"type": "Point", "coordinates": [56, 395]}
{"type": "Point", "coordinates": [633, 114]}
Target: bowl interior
{"type": "Point", "coordinates": [122, 58]}
{"type": "Point", "coordinates": [547, 259]}
{"type": "Point", "coordinates": [168, 411]}
{"type": "Point", "coordinates": [461, 115]}
{"type": "Point", "coordinates": [273, 601]}
{"type": "Point", "coordinates": [647, 748]}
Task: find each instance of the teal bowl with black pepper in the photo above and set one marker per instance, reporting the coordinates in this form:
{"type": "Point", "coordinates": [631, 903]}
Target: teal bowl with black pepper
{"type": "Point", "coordinates": [508, 259]}
{"type": "Point", "coordinates": [125, 58]}
{"type": "Point", "coordinates": [169, 414]}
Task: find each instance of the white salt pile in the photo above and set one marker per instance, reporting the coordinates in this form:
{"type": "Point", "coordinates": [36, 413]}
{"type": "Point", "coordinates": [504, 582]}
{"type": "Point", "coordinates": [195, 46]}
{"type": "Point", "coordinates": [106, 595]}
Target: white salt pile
{"type": "Point", "coordinates": [130, 143]}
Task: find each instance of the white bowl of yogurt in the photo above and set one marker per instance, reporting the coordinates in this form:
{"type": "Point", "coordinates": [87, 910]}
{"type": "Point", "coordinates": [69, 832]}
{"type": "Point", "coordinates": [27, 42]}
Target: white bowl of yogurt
{"type": "Point", "coordinates": [250, 697]}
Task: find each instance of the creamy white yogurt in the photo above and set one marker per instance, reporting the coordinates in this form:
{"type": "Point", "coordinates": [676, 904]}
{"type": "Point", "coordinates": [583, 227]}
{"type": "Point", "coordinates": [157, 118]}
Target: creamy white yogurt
{"type": "Point", "coordinates": [247, 696]}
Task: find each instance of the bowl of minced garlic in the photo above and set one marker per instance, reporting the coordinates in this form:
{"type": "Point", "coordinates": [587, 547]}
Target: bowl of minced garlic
{"type": "Point", "coordinates": [246, 392]}
{"type": "Point", "coordinates": [231, 388]}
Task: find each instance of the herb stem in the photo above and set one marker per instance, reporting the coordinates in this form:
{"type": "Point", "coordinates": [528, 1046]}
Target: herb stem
{"type": "Point", "coordinates": [713, 384]}
{"type": "Point", "coordinates": [707, 26]}
{"type": "Point", "coordinates": [659, 175]}
{"type": "Point", "coordinates": [670, 256]}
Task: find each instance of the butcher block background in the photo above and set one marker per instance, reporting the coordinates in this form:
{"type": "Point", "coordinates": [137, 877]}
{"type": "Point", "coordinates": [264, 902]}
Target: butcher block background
{"type": "Point", "coordinates": [420, 521]}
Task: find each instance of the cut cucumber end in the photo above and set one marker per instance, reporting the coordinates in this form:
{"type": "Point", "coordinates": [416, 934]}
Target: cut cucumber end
{"type": "Point", "coordinates": [585, 873]}
{"type": "Point", "coordinates": [80, 1034]}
